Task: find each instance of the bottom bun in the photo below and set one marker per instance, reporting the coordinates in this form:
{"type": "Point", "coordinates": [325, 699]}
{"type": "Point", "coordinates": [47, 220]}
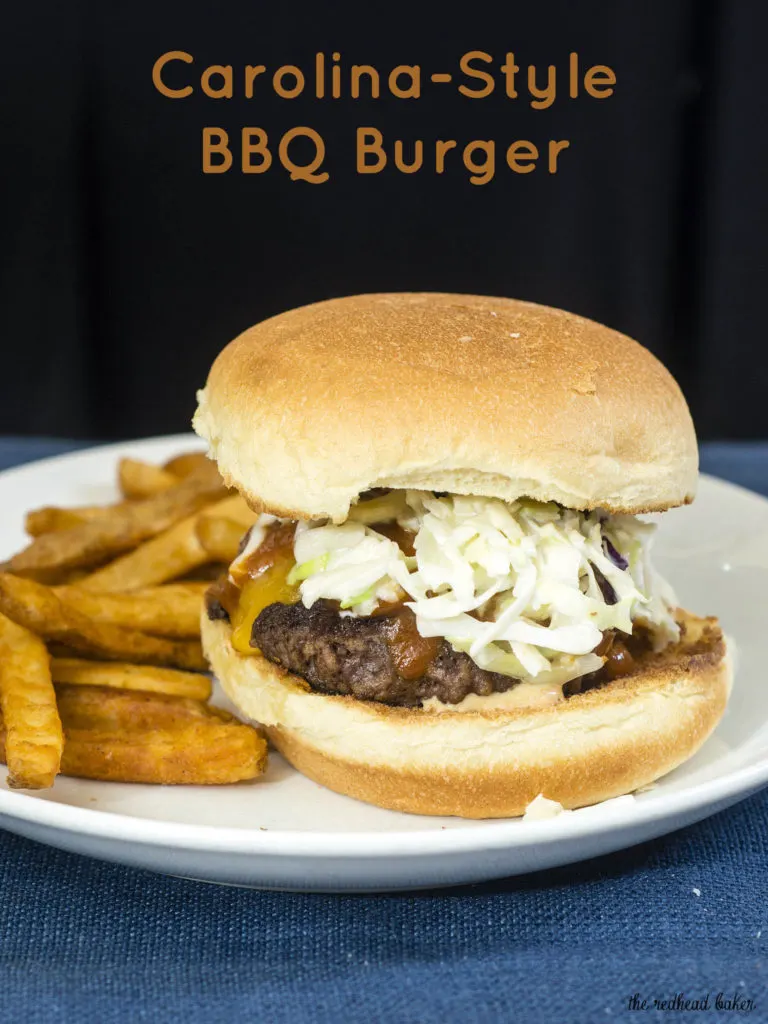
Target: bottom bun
{"type": "Point", "coordinates": [489, 763]}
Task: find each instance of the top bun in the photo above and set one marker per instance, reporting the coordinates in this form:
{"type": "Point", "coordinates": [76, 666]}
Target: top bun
{"type": "Point", "coordinates": [461, 393]}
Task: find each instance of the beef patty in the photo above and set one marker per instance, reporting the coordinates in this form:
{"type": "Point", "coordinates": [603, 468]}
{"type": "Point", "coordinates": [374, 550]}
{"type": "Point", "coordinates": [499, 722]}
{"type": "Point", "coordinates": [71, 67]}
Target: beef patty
{"type": "Point", "coordinates": [359, 657]}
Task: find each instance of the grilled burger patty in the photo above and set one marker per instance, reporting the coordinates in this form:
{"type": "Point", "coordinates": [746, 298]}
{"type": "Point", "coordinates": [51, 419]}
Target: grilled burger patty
{"type": "Point", "coordinates": [379, 658]}
{"type": "Point", "coordinates": [383, 658]}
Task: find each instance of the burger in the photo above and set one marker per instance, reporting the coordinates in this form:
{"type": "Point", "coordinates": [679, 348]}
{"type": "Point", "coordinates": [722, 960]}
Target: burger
{"type": "Point", "coordinates": [446, 604]}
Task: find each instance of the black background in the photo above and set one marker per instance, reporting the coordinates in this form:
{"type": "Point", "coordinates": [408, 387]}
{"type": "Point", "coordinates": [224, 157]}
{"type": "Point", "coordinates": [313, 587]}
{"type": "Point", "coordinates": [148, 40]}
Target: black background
{"type": "Point", "coordinates": [125, 268]}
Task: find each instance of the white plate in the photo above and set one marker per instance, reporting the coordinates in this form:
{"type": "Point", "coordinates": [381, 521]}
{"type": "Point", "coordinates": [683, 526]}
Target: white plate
{"type": "Point", "coordinates": [284, 831]}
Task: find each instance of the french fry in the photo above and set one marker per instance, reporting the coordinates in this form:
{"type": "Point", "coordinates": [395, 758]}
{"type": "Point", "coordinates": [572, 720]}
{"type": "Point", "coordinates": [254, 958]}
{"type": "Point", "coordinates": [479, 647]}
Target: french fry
{"type": "Point", "coordinates": [34, 739]}
{"type": "Point", "coordinates": [125, 716]}
{"type": "Point", "coordinates": [235, 508]}
{"type": "Point", "coordinates": [166, 557]}
{"type": "Point", "coordinates": [127, 736]}
{"type": "Point", "coordinates": [123, 527]}
{"type": "Point", "coordinates": [182, 465]}
{"type": "Point", "coordinates": [68, 578]}
{"type": "Point", "coordinates": [172, 610]}
{"type": "Point", "coordinates": [138, 479]}
{"type": "Point", "coordinates": [43, 611]}
{"type": "Point", "coordinates": [220, 528]}
{"type": "Point", "coordinates": [124, 676]}
{"type": "Point", "coordinates": [51, 519]}
{"type": "Point", "coordinates": [220, 537]}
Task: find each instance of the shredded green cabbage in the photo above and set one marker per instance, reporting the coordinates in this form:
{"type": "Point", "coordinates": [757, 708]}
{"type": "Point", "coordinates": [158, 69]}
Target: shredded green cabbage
{"type": "Point", "coordinates": [359, 599]}
{"type": "Point", "coordinates": [306, 569]}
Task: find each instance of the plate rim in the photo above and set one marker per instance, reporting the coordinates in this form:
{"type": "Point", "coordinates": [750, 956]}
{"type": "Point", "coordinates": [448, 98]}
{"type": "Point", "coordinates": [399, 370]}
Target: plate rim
{"type": "Point", "coordinates": [313, 844]}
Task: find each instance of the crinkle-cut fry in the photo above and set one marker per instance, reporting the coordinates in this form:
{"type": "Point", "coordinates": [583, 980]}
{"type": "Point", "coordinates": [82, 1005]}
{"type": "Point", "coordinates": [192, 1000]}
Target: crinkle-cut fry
{"type": "Point", "coordinates": [172, 610]}
{"type": "Point", "coordinates": [220, 537]}
{"type": "Point", "coordinates": [198, 753]}
{"type": "Point", "coordinates": [43, 611]}
{"type": "Point", "coordinates": [125, 676]}
{"type": "Point", "coordinates": [123, 527]}
{"type": "Point", "coordinates": [166, 557]}
{"type": "Point", "coordinates": [139, 479]}
{"type": "Point", "coordinates": [28, 703]}
{"type": "Point", "coordinates": [128, 736]}
{"type": "Point", "coordinates": [183, 465]}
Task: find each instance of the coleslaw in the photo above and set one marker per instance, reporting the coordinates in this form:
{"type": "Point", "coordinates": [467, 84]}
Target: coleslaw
{"type": "Point", "coordinates": [525, 588]}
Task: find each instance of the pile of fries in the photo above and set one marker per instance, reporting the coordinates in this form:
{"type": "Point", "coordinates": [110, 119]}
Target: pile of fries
{"type": "Point", "coordinates": [101, 671]}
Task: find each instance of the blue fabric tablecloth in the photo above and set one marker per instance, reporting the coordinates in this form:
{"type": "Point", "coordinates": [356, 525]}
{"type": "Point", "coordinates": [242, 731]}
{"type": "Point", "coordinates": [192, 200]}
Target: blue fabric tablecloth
{"type": "Point", "coordinates": [684, 915]}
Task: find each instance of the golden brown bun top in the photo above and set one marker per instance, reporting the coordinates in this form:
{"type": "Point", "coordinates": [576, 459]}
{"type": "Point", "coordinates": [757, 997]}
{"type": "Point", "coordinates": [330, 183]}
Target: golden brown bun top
{"type": "Point", "coordinates": [461, 393]}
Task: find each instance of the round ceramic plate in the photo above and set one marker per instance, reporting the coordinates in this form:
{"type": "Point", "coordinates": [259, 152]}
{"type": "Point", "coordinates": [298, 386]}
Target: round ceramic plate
{"type": "Point", "coordinates": [284, 831]}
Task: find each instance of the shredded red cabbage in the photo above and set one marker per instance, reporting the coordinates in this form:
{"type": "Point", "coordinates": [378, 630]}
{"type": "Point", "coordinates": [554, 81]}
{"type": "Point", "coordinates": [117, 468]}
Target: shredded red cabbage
{"type": "Point", "coordinates": [618, 560]}
{"type": "Point", "coordinates": [606, 589]}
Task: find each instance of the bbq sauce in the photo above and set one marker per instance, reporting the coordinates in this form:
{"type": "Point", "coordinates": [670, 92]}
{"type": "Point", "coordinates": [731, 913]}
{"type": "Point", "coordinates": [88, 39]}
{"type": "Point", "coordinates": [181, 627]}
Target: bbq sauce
{"type": "Point", "coordinates": [221, 599]}
{"type": "Point", "coordinates": [259, 580]}
{"type": "Point", "coordinates": [619, 661]}
{"type": "Point", "coordinates": [411, 652]}
{"type": "Point", "coordinates": [263, 578]}
{"type": "Point", "coordinates": [618, 657]}
{"type": "Point", "coordinates": [277, 546]}
{"type": "Point", "coordinates": [403, 538]}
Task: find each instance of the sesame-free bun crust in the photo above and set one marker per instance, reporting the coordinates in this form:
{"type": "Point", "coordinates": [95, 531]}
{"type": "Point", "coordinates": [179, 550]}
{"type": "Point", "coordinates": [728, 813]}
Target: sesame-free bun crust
{"type": "Point", "coordinates": [489, 764]}
{"type": "Point", "coordinates": [459, 393]}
